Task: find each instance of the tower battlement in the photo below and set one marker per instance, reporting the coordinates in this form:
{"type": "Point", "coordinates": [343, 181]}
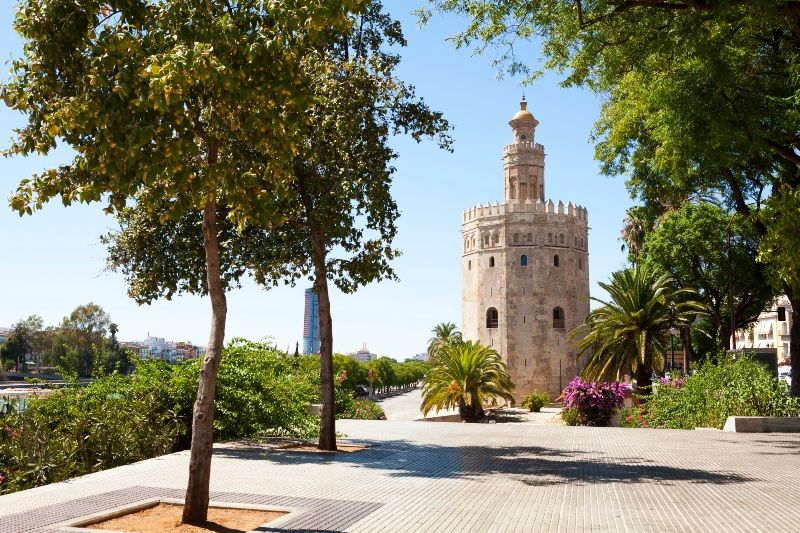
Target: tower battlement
{"type": "Point", "coordinates": [492, 210]}
{"type": "Point", "coordinates": [523, 146]}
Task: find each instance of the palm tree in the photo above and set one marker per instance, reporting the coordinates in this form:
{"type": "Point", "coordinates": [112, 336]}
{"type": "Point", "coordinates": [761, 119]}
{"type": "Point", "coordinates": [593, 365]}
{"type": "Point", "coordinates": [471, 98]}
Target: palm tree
{"type": "Point", "coordinates": [466, 375]}
{"type": "Point", "coordinates": [443, 334]}
{"type": "Point", "coordinates": [628, 333]}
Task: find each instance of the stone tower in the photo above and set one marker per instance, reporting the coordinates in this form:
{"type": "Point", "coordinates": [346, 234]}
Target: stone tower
{"type": "Point", "coordinates": [525, 270]}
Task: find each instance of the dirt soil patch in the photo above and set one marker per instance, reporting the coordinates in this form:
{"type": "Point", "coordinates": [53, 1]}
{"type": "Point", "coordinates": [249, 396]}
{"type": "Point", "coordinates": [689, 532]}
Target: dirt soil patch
{"type": "Point", "coordinates": [304, 447]}
{"type": "Point", "coordinates": [166, 518]}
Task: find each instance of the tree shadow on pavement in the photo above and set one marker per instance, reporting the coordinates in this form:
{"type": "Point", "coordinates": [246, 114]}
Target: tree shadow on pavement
{"type": "Point", "coordinates": [532, 465]}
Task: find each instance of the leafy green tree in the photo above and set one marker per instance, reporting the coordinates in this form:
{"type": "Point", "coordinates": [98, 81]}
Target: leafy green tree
{"type": "Point", "coordinates": [466, 376]}
{"type": "Point", "coordinates": [172, 98]}
{"type": "Point", "coordinates": [383, 373]}
{"type": "Point", "coordinates": [701, 100]}
{"type": "Point", "coordinates": [690, 244]}
{"type": "Point", "coordinates": [84, 332]}
{"type": "Point", "coordinates": [356, 371]}
{"type": "Point", "coordinates": [338, 216]}
{"type": "Point", "coordinates": [443, 334]}
{"type": "Point", "coordinates": [629, 333]}
{"type": "Point", "coordinates": [13, 351]}
{"type": "Point", "coordinates": [24, 341]}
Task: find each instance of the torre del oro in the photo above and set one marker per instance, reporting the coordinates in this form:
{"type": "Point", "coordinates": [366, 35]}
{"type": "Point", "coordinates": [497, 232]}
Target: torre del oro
{"type": "Point", "coordinates": [525, 270]}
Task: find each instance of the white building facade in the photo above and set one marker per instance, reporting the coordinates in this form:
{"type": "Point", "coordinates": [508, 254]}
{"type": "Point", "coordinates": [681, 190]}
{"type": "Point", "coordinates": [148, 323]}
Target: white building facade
{"type": "Point", "coordinates": [771, 330]}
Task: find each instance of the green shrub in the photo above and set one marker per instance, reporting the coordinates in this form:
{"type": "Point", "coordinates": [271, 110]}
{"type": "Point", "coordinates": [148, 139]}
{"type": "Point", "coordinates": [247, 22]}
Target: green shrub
{"type": "Point", "coordinates": [344, 401]}
{"type": "Point", "coordinates": [632, 417]}
{"type": "Point", "coordinates": [260, 393]}
{"type": "Point", "coordinates": [78, 430]}
{"type": "Point", "coordinates": [571, 417]}
{"type": "Point", "coordinates": [118, 420]}
{"type": "Point", "coordinates": [365, 410]}
{"type": "Point", "coordinates": [535, 401]}
{"type": "Point", "coordinates": [722, 388]}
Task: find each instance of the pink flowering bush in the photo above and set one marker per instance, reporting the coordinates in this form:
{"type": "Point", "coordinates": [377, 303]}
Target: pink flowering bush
{"type": "Point", "coordinates": [593, 401]}
{"type": "Point", "coordinates": [676, 383]}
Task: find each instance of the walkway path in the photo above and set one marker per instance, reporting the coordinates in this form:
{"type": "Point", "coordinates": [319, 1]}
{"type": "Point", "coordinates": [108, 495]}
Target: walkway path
{"type": "Point", "coordinates": [433, 477]}
{"type": "Point", "coordinates": [406, 407]}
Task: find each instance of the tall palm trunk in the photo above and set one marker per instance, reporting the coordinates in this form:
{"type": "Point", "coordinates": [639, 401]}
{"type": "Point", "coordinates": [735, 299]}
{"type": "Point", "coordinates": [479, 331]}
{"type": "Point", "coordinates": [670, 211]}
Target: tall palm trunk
{"type": "Point", "coordinates": [644, 381]}
{"type": "Point", "coordinates": [794, 340]}
{"type": "Point", "coordinates": [195, 510]}
{"type": "Point", "coordinates": [327, 425]}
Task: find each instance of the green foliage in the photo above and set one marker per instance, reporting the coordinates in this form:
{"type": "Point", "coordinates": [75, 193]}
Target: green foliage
{"type": "Point", "coordinates": [121, 419]}
{"type": "Point", "coordinates": [691, 245]}
{"type": "Point", "coordinates": [362, 409]}
{"type": "Point", "coordinates": [356, 373]}
{"type": "Point", "coordinates": [630, 332]}
{"type": "Point", "coordinates": [571, 417]}
{"type": "Point", "coordinates": [535, 401]}
{"type": "Point", "coordinates": [719, 389]}
{"type": "Point", "coordinates": [74, 431]}
{"type": "Point", "coordinates": [466, 376]}
{"type": "Point", "coordinates": [260, 394]}
{"type": "Point", "coordinates": [443, 334]}
{"type": "Point", "coordinates": [633, 417]}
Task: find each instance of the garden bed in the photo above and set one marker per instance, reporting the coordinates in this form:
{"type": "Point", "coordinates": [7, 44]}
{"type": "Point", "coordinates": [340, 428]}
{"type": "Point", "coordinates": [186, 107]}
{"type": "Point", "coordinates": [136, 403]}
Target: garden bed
{"type": "Point", "coordinates": [164, 516]}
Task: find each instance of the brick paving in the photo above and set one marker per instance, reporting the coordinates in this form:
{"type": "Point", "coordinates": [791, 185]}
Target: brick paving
{"type": "Point", "coordinates": [426, 476]}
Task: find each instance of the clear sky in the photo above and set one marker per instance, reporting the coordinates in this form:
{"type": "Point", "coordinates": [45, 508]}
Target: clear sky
{"type": "Point", "coordinates": [53, 261]}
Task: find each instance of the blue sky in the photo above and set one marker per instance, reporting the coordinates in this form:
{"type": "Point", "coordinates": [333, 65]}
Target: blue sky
{"type": "Point", "coordinates": [53, 260]}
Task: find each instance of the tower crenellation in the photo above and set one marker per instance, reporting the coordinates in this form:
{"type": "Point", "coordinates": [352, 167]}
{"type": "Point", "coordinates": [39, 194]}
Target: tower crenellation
{"type": "Point", "coordinates": [525, 275]}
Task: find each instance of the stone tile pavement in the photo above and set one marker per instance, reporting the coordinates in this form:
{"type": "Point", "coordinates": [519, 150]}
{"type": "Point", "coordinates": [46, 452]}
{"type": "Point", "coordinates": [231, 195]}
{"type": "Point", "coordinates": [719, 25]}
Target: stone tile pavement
{"type": "Point", "coordinates": [436, 477]}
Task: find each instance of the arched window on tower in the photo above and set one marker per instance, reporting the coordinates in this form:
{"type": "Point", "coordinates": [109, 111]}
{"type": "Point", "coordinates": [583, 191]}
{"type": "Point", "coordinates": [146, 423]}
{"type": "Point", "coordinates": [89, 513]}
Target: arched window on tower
{"type": "Point", "coordinates": [530, 237]}
{"type": "Point", "coordinates": [581, 242]}
{"type": "Point", "coordinates": [580, 263]}
{"type": "Point", "coordinates": [469, 265]}
{"type": "Point", "coordinates": [549, 238]}
{"type": "Point", "coordinates": [491, 262]}
{"type": "Point", "coordinates": [555, 260]}
{"type": "Point", "coordinates": [523, 260]}
{"type": "Point", "coordinates": [558, 318]}
{"type": "Point", "coordinates": [576, 241]}
{"type": "Point", "coordinates": [486, 240]}
{"type": "Point", "coordinates": [516, 238]}
{"type": "Point", "coordinates": [561, 239]}
{"type": "Point", "coordinates": [491, 318]}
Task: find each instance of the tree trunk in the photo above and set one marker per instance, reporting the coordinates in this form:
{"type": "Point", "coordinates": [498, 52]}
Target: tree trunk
{"type": "Point", "coordinates": [644, 383]}
{"type": "Point", "coordinates": [195, 510]}
{"type": "Point", "coordinates": [327, 421]}
{"type": "Point", "coordinates": [794, 340]}
{"type": "Point", "coordinates": [686, 338]}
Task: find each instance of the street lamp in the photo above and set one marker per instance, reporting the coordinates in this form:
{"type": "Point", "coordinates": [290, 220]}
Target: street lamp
{"type": "Point", "coordinates": [730, 285]}
{"type": "Point", "coordinates": [672, 333]}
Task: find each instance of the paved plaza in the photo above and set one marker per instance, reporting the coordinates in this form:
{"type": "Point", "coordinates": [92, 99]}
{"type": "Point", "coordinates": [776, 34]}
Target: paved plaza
{"type": "Point", "coordinates": [427, 476]}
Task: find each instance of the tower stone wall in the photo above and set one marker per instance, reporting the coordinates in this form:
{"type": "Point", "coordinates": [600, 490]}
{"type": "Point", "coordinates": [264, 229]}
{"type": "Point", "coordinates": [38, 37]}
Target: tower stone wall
{"type": "Point", "coordinates": [525, 270]}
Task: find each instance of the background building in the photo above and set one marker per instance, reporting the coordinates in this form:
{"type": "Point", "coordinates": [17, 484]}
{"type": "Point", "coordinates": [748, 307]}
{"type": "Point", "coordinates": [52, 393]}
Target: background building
{"type": "Point", "coordinates": [770, 330]}
{"type": "Point", "coordinates": [311, 340]}
{"type": "Point", "coordinates": [525, 270]}
{"type": "Point", "coordinates": [363, 354]}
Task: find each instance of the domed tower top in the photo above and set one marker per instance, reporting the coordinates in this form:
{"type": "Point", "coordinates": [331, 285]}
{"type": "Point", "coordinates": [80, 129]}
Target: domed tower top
{"type": "Point", "coordinates": [523, 124]}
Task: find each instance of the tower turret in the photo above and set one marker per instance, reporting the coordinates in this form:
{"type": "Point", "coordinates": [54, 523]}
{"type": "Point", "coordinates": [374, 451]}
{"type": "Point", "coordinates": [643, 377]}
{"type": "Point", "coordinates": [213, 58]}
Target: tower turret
{"type": "Point", "coordinates": [523, 160]}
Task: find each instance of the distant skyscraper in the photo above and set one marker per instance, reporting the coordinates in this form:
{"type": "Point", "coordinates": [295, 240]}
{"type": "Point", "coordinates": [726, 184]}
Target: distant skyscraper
{"type": "Point", "coordinates": [311, 323]}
